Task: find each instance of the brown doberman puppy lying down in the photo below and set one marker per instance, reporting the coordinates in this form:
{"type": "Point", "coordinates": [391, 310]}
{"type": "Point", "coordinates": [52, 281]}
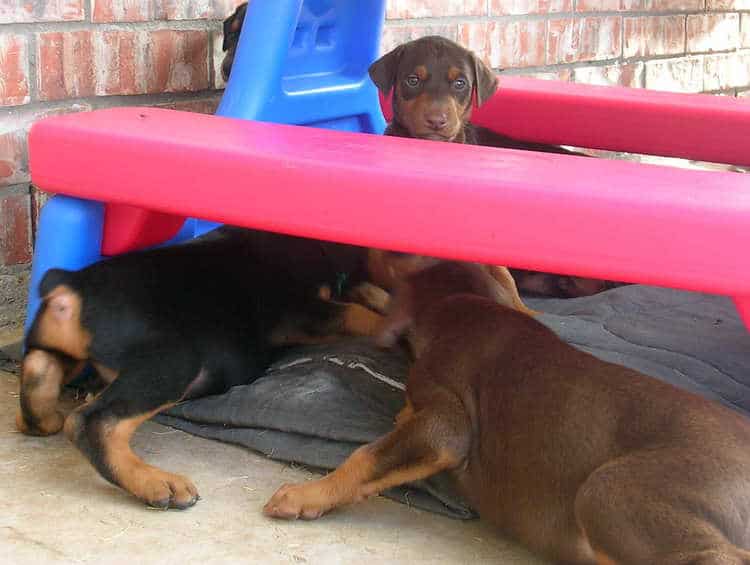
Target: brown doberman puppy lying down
{"type": "Point", "coordinates": [581, 460]}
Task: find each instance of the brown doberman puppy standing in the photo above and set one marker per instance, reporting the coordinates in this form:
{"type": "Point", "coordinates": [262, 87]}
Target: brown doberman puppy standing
{"type": "Point", "coordinates": [581, 460]}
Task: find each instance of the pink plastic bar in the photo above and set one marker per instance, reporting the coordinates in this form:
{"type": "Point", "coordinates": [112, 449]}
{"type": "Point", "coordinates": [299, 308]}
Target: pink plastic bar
{"type": "Point", "coordinates": [619, 220]}
{"type": "Point", "coordinates": [691, 126]}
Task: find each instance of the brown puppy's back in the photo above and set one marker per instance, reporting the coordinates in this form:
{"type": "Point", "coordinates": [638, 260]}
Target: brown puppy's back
{"type": "Point", "coordinates": [554, 428]}
{"type": "Point", "coordinates": [579, 459]}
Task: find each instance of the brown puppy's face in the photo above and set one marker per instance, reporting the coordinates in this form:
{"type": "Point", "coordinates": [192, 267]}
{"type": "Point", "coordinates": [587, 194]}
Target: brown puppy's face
{"type": "Point", "coordinates": [232, 28]}
{"type": "Point", "coordinates": [434, 81]}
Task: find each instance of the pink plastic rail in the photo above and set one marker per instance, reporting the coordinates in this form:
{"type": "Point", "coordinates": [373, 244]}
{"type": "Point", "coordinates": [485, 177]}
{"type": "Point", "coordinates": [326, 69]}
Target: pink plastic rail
{"type": "Point", "coordinates": [619, 220]}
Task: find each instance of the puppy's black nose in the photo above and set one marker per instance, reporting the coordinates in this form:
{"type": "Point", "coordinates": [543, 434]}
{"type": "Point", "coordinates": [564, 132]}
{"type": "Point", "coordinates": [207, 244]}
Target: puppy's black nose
{"type": "Point", "coordinates": [436, 121]}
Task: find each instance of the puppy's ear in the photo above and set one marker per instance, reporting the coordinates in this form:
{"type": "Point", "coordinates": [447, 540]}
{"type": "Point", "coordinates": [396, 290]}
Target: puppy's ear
{"type": "Point", "coordinates": [383, 71]}
{"type": "Point", "coordinates": [485, 81]}
{"type": "Point", "coordinates": [227, 31]}
{"type": "Point", "coordinates": [232, 25]}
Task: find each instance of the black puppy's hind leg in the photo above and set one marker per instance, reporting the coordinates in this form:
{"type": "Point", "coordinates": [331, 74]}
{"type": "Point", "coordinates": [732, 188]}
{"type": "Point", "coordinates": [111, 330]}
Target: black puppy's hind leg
{"type": "Point", "coordinates": [43, 375]}
{"type": "Point", "coordinates": [152, 378]}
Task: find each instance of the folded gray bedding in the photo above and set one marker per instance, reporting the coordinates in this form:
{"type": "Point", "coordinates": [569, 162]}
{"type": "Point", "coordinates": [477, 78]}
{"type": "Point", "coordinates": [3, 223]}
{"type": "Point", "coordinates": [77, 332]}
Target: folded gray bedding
{"type": "Point", "coordinates": [315, 405]}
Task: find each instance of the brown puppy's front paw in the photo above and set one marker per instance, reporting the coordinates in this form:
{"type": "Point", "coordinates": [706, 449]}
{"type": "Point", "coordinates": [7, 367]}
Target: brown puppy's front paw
{"type": "Point", "coordinates": [297, 501]}
{"type": "Point", "coordinates": [163, 490]}
{"type": "Point", "coordinates": [47, 426]}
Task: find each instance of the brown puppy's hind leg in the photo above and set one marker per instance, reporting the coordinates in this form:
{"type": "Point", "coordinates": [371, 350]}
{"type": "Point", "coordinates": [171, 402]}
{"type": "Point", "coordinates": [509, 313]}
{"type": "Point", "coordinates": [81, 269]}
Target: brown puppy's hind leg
{"type": "Point", "coordinates": [631, 516]}
{"type": "Point", "coordinates": [423, 443]}
{"type": "Point", "coordinates": [42, 378]}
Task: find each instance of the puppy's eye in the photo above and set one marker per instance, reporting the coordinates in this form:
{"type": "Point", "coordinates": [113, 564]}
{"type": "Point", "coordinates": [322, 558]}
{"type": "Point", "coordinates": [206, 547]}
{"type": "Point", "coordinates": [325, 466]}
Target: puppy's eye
{"type": "Point", "coordinates": [412, 81]}
{"type": "Point", "coordinates": [459, 84]}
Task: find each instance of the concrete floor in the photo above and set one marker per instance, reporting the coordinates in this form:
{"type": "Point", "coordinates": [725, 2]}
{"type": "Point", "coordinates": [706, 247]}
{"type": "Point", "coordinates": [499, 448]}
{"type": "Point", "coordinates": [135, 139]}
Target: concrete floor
{"type": "Point", "coordinates": [55, 509]}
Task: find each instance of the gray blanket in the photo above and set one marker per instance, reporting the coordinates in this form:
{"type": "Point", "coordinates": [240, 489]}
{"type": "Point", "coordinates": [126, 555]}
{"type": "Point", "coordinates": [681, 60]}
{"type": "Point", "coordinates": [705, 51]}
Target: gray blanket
{"type": "Point", "coordinates": [316, 405]}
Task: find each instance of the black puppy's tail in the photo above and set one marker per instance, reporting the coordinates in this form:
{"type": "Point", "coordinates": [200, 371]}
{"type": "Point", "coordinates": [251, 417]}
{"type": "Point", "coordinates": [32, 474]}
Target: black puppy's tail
{"type": "Point", "coordinates": [54, 278]}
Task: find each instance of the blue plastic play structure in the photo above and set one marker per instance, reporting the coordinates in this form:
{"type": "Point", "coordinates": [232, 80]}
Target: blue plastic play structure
{"type": "Point", "coordinates": [300, 62]}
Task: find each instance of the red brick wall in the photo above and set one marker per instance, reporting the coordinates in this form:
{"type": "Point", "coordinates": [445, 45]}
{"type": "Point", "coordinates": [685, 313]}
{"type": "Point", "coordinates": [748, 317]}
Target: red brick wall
{"type": "Point", "coordinates": [74, 55]}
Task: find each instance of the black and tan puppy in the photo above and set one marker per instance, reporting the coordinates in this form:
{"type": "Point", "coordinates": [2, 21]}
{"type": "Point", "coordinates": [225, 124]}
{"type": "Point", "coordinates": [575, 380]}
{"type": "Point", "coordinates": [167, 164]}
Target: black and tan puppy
{"type": "Point", "coordinates": [435, 84]}
{"type": "Point", "coordinates": [173, 323]}
{"type": "Point", "coordinates": [581, 460]}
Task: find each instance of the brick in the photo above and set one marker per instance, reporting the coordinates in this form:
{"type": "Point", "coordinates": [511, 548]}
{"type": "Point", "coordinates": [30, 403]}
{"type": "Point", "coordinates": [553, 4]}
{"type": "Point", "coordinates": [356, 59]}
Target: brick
{"type": "Point", "coordinates": [630, 75]}
{"type": "Point", "coordinates": [14, 129]}
{"type": "Point", "coordinates": [584, 39]}
{"type": "Point", "coordinates": [650, 36]}
{"type": "Point", "coordinates": [731, 70]}
{"type": "Point", "coordinates": [609, 5]}
{"type": "Point", "coordinates": [195, 9]}
{"type": "Point", "coordinates": [65, 65]}
{"type": "Point", "coordinates": [745, 26]}
{"type": "Point", "coordinates": [38, 199]}
{"type": "Point", "coordinates": [222, 8]}
{"type": "Point", "coordinates": [218, 57]}
{"type": "Point", "coordinates": [402, 9]}
{"type": "Point", "coordinates": [192, 10]}
{"type": "Point", "coordinates": [396, 35]}
{"type": "Point", "coordinates": [513, 7]}
{"type": "Point", "coordinates": [200, 105]}
{"type": "Point", "coordinates": [24, 11]}
{"type": "Point", "coordinates": [104, 11]}
{"type": "Point", "coordinates": [116, 63]}
{"type": "Point", "coordinates": [673, 5]}
{"type": "Point", "coordinates": [506, 44]}
{"type": "Point", "coordinates": [13, 160]}
{"type": "Point", "coordinates": [712, 32]}
{"type": "Point", "coordinates": [675, 75]}
{"type": "Point", "coordinates": [15, 228]}
{"type": "Point", "coordinates": [728, 4]}
{"type": "Point", "coordinates": [562, 74]}
{"type": "Point", "coordinates": [177, 61]}
{"type": "Point", "coordinates": [14, 70]}
{"type": "Point", "coordinates": [639, 5]}
{"type": "Point", "coordinates": [89, 63]}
